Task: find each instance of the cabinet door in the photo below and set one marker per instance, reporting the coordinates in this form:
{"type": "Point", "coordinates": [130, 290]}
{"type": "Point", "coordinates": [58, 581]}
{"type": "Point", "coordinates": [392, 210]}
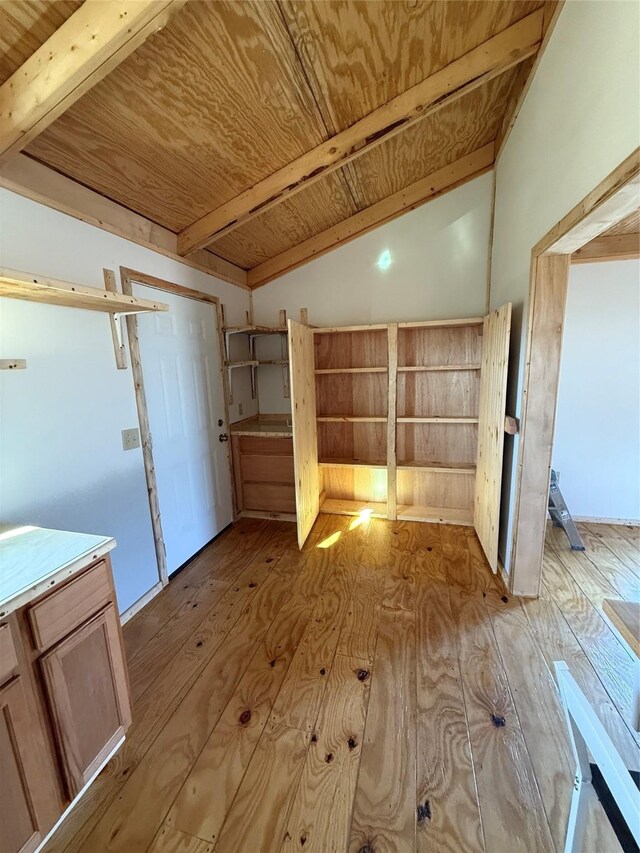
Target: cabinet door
{"type": "Point", "coordinates": [303, 419]}
{"type": "Point", "coordinates": [493, 399]}
{"type": "Point", "coordinates": [20, 773]}
{"type": "Point", "coordinates": [86, 684]}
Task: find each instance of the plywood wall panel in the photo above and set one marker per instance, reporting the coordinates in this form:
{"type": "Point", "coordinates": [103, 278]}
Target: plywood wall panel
{"type": "Point", "coordinates": [359, 394]}
{"type": "Point", "coordinates": [420, 488]}
{"type": "Point", "coordinates": [453, 444]}
{"type": "Point", "coordinates": [447, 393]}
{"type": "Point", "coordinates": [359, 442]}
{"type": "Point", "coordinates": [351, 349]}
{"type": "Point", "coordinates": [355, 484]}
{"type": "Point", "coordinates": [432, 347]}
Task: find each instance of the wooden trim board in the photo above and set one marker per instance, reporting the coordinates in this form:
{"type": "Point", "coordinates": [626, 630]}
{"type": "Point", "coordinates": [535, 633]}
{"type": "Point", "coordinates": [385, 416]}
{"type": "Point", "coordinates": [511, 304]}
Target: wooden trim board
{"type": "Point", "coordinates": [458, 78]}
{"type": "Point", "coordinates": [415, 195]}
{"type": "Point", "coordinates": [93, 41]}
{"type": "Point", "coordinates": [35, 288]}
{"type": "Point", "coordinates": [612, 247]}
{"type": "Point", "coordinates": [392, 345]}
{"type": "Point", "coordinates": [606, 205]}
{"type": "Point", "coordinates": [30, 179]}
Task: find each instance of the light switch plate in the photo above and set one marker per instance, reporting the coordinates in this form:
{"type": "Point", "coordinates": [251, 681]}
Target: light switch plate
{"type": "Point", "coordinates": [130, 439]}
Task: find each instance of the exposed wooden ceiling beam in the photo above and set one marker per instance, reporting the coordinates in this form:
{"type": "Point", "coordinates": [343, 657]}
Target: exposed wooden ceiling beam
{"type": "Point", "coordinates": [407, 199]}
{"type": "Point", "coordinates": [90, 44]}
{"type": "Point", "coordinates": [620, 247]}
{"type": "Point", "coordinates": [474, 69]}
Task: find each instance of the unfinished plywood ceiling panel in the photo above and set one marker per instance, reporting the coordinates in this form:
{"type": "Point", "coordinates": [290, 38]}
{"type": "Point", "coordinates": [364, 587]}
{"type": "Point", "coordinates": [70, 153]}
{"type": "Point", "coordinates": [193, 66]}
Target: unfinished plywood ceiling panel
{"type": "Point", "coordinates": [231, 92]}
{"type": "Point", "coordinates": [207, 107]}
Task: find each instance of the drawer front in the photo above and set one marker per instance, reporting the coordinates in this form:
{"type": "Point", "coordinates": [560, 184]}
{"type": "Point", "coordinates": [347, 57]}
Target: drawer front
{"type": "Point", "coordinates": [8, 657]}
{"type": "Point", "coordinates": [263, 446]}
{"type": "Point", "coordinates": [55, 616]}
{"type": "Point", "coordinates": [267, 469]}
{"type": "Point", "coordinates": [269, 498]}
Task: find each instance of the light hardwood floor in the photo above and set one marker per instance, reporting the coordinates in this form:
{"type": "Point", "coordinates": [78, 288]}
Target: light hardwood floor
{"type": "Point", "coordinates": [377, 691]}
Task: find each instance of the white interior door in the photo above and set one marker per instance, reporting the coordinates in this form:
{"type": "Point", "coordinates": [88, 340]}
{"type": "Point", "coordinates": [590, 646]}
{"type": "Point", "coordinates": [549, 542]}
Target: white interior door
{"type": "Point", "coordinates": [180, 359]}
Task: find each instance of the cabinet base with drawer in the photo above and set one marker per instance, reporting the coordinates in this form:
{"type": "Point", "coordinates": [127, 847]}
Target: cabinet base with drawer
{"type": "Point", "coordinates": [264, 476]}
{"type": "Point", "coordinates": [64, 702]}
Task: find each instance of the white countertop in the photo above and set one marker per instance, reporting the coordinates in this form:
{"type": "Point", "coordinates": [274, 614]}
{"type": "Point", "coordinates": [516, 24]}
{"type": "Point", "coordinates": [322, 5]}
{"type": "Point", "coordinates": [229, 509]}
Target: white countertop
{"type": "Point", "coordinates": [33, 559]}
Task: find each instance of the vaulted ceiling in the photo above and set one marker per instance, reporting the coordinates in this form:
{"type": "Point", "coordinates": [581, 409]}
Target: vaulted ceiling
{"type": "Point", "coordinates": [229, 92]}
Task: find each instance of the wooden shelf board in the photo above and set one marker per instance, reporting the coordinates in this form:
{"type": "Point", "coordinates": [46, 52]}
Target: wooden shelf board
{"type": "Point", "coordinates": [351, 463]}
{"type": "Point", "coordinates": [333, 330]}
{"type": "Point", "coordinates": [274, 361]}
{"type": "Point", "coordinates": [438, 367]}
{"type": "Point", "coordinates": [435, 514]}
{"type": "Point", "coordinates": [19, 285]}
{"type": "Point", "coordinates": [438, 467]}
{"type": "Point", "coordinates": [437, 420]}
{"type": "Point", "coordinates": [255, 330]}
{"type": "Point", "coordinates": [342, 507]}
{"type": "Point", "coordinates": [327, 371]}
{"type": "Point", "coordinates": [442, 324]}
{"type": "Point", "coordinates": [349, 419]}
{"type": "Point", "coordinates": [241, 363]}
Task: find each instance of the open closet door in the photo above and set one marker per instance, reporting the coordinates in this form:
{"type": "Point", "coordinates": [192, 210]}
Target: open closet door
{"type": "Point", "coordinates": [493, 396]}
{"type": "Point", "coordinates": [303, 418]}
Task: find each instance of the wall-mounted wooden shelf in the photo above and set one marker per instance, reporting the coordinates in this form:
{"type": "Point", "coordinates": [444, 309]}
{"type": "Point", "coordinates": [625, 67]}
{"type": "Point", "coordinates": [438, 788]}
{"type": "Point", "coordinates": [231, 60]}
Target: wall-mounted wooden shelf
{"type": "Point", "coordinates": [437, 467]}
{"type": "Point", "coordinates": [255, 330]}
{"type": "Point", "coordinates": [19, 285]}
{"type": "Point", "coordinates": [435, 514]}
{"type": "Point", "coordinates": [250, 363]}
{"type": "Point", "coordinates": [438, 367]}
{"type": "Point", "coordinates": [350, 419]}
{"type": "Point", "coordinates": [436, 420]}
{"type": "Point", "coordinates": [332, 370]}
{"type": "Point", "coordinates": [255, 363]}
{"type": "Point", "coordinates": [351, 463]}
{"type": "Point", "coordinates": [348, 507]}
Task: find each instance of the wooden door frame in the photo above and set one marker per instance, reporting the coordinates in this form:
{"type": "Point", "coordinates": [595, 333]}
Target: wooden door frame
{"type": "Point", "coordinates": [611, 201]}
{"type": "Point", "coordinates": [128, 277]}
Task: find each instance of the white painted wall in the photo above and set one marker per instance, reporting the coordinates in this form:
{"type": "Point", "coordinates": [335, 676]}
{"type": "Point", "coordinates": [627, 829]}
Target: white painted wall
{"type": "Point", "coordinates": [61, 458]}
{"type": "Point", "coordinates": [597, 439]}
{"type": "Point", "coordinates": [580, 119]}
{"type": "Point", "coordinates": [439, 255]}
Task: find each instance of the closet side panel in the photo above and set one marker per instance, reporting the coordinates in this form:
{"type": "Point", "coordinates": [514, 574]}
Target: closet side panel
{"type": "Point", "coordinates": [493, 393]}
{"type": "Point", "coordinates": [303, 418]}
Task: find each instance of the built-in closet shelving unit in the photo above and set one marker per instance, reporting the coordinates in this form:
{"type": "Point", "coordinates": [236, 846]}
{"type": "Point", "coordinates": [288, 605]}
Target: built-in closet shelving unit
{"type": "Point", "coordinates": [251, 332]}
{"type": "Point", "coordinates": [407, 419]}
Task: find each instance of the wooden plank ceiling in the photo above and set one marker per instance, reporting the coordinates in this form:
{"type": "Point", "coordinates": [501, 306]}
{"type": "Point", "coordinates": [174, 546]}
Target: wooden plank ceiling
{"type": "Point", "coordinates": [230, 91]}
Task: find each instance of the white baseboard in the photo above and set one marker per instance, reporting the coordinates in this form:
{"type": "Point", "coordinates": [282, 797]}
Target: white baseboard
{"type": "Point", "coordinates": [629, 522]}
{"type": "Point", "coordinates": [140, 603]}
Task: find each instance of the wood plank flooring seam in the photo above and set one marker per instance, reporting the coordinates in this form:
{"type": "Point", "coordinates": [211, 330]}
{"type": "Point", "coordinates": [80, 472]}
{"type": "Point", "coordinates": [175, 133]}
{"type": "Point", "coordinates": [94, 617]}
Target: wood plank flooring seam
{"type": "Point", "coordinates": [184, 576]}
